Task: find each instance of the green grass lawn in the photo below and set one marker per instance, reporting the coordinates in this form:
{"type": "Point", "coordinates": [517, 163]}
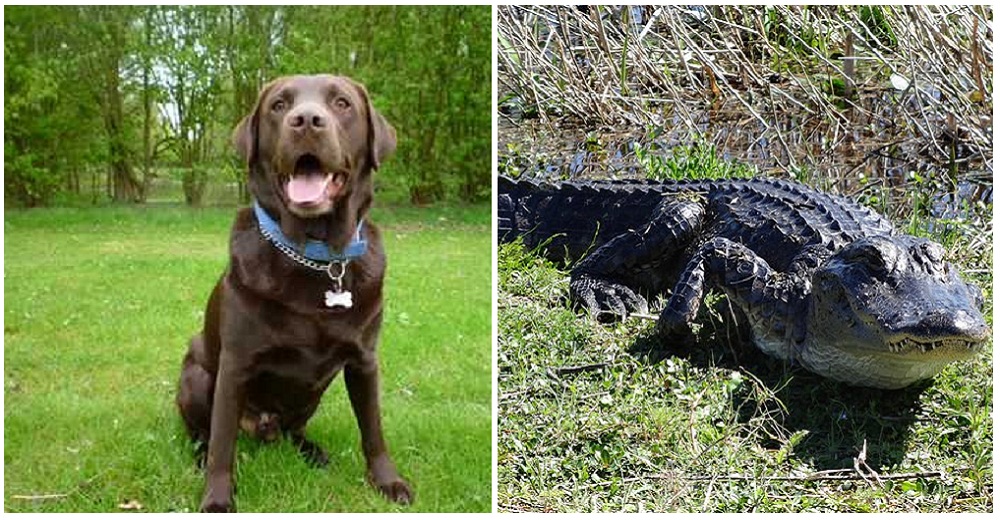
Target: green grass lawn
{"type": "Point", "coordinates": [99, 305]}
{"type": "Point", "coordinates": [588, 421]}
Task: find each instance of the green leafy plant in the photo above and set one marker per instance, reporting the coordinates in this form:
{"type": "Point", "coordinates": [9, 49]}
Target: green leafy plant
{"type": "Point", "coordinates": [696, 161]}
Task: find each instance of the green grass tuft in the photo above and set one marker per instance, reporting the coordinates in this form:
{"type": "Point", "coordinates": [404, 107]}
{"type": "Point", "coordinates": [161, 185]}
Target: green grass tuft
{"type": "Point", "coordinates": [697, 161]}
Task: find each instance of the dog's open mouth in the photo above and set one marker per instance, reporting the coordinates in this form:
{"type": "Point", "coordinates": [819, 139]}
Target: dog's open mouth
{"type": "Point", "coordinates": [310, 185]}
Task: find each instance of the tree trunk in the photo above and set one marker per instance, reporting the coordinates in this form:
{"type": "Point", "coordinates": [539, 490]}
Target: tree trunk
{"type": "Point", "coordinates": [147, 105]}
{"type": "Point", "coordinates": [194, 183]}
{"type": "Point", "coordinates": [124, 185]}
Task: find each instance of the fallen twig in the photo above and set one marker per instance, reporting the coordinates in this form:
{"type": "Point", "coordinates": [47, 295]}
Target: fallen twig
{"type": "Point", "coordinates": [864, 470]}
{"type": "Point", "coordinates": [52, 496]}
{"type": "Point", "coordinates": [577, 369]}
{"type": "Point", "coordinates": [829, 475]}
{"type": "Point", "coordinates": [822, 476]}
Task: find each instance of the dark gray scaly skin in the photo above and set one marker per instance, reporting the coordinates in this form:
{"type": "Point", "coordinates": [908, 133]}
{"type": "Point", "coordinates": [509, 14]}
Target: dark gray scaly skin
{"type": "Point", "coordinates": [823, 281]}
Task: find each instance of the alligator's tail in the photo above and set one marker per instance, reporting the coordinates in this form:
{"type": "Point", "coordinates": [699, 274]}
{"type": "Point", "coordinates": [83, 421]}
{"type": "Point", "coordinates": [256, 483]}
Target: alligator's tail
{"type": "Point", "coordinates": [506, 219]}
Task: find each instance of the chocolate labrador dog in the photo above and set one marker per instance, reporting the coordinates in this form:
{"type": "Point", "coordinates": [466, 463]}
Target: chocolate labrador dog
{"type": "Point", "coordinates": [301, 298]}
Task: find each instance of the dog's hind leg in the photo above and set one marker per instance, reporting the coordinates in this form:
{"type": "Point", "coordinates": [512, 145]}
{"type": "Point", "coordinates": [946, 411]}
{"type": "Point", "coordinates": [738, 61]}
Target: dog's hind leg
{"type": "Point", "coordinates": [311, 451]}
{"type": "Point", "coordinates": [194, 396]}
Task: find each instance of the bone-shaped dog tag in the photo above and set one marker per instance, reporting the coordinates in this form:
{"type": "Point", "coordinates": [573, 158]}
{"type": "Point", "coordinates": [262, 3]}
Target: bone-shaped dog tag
{"type": "Point", "coordinates": [339, 299]}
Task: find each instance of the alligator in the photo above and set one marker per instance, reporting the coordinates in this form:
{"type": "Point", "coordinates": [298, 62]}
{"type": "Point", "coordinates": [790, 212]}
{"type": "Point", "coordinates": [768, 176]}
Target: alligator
{"type": "Point", "coordinates": [822, 281]}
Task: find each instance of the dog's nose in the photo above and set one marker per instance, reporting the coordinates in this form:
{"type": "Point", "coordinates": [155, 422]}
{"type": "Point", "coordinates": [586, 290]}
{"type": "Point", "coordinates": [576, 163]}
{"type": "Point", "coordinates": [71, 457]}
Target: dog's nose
{"type": "Point", "coordinates": [307, 117]}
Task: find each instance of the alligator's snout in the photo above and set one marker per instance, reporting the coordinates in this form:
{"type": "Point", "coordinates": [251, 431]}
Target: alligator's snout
{"type": "Point", "coordinates": [953, 334]}
{"type": "Point", "coordinates": [933, 307]}
{"type": "Point", "coordinates": [952, 323]}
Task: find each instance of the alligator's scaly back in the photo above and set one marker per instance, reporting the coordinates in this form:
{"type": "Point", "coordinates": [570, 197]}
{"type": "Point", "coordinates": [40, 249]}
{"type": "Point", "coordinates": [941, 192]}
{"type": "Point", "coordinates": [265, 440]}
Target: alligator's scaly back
{"type": "Point", "coordinates": [887, 310]}
{"type": "Point", "coordinates": [572, 218]}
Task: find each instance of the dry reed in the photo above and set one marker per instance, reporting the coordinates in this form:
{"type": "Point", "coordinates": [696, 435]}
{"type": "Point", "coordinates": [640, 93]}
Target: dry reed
{"type": "Point", "coordinates": [792, 76]}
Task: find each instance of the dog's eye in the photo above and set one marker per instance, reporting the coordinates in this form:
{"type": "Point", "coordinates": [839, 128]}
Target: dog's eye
{"type": "Point", "coordinates": [342, 103]}
{"type": "Point", "coordinates": [278, 105]}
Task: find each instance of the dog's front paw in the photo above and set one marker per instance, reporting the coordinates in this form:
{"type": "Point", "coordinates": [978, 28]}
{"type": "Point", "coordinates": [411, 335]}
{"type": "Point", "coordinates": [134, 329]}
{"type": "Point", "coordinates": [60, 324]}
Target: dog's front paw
{"type": "Point", "coordinates": [396, 490]}
{"type": "Point", "coordinates": [217, 505]}
{"type": "Point", "coordinates": [217, 501]}
{"type": "Point", "coordinates": [383, 476]}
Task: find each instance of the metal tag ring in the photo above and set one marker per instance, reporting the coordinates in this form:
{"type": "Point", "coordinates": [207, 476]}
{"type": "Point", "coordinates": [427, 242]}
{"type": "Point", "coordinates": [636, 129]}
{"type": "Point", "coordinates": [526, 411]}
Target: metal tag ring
{"type": "Point", "coordinates": [339, 276]}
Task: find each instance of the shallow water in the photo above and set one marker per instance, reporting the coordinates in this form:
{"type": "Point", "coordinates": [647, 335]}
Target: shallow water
{"type": "Point", "coordinates": [876, 158]}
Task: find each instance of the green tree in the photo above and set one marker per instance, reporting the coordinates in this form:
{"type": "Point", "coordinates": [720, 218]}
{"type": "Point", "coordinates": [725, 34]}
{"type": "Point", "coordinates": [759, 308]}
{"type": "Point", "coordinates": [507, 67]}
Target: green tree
{"type": "Point", "coordinates": [191, 76]}
{"type": "Point", "coordinates": [133, 91]}
{"type": "Point", "coordinates": [51, 125]}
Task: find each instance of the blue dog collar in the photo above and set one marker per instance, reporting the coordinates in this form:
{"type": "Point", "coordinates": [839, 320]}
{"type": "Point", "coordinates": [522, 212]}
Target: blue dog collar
{"type": "Point", "coordinates": [314, 250]}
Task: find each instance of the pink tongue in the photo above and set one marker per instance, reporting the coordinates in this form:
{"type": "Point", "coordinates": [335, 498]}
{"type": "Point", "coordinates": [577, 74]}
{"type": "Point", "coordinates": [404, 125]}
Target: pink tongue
{"type": "Point", "coordinates": [308, 188]}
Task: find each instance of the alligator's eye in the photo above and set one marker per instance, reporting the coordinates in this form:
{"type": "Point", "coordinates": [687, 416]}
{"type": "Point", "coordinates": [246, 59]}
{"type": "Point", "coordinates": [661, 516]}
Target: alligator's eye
{"type": "Point", "coordinates": [976, 294]}
{"type": "Point", "coordinates": [868, 255]}
{"type": "Point", "coordinates": [875, 262]}
{"type": "Point", "coordinates": [934, 252]}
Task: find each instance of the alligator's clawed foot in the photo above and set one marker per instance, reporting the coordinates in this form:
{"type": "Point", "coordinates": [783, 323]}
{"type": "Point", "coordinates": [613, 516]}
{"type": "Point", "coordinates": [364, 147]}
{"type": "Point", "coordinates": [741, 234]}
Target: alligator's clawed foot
{"type": "Point", "coordinates": [676, 340]}
{"type": "Point", "coordinates": [673, 330]}
{"type": "Point", "coordinates": [606, 300]}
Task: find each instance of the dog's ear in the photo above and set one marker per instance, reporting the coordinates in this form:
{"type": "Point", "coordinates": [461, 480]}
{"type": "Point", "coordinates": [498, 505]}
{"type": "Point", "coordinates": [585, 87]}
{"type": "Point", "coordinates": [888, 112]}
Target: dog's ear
{"type": "Point", "coordinates": [245, 135]}
{"type": "Point", "coordinates": [381, 135]}
{"type": "Point", "coordinates": [245, 138]}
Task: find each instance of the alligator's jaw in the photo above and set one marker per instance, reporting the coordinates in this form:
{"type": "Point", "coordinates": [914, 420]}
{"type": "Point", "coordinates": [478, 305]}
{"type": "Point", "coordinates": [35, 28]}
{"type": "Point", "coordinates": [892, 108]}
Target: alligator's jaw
{"type": "Point", "coordinates": [889, 366]}
{"type": "Point", "coordinates": [883, 369]}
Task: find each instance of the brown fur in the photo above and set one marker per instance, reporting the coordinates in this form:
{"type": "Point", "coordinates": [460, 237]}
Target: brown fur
{"type": "Point", "coordinates": [269, 348]}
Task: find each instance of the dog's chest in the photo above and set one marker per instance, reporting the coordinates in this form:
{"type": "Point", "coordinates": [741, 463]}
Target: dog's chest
{"type": "Point", "coordinates": [313, 358]}
{"type": "Point", "coordinates": [296, 363]}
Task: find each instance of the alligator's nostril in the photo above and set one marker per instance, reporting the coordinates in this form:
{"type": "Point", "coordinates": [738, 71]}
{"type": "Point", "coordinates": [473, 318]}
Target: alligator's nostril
{"type": "Point", "coordinates": [954, 323]}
